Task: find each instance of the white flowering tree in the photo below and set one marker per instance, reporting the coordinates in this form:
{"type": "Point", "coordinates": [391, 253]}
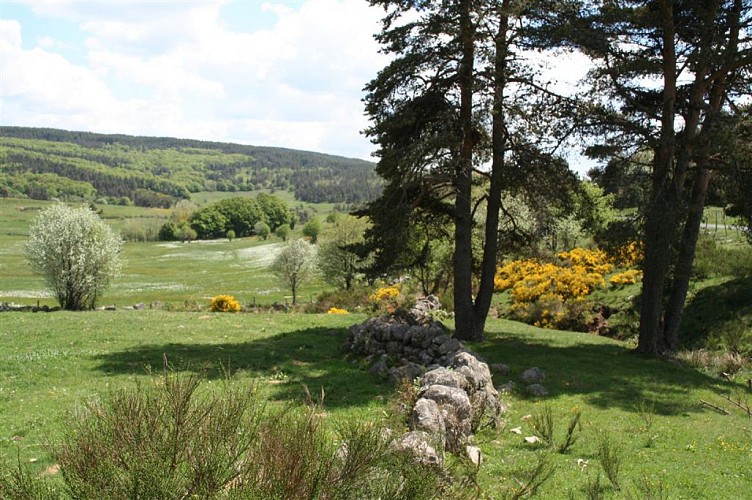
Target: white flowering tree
{"type": "Point", "coordinates": [295, 264]}
{"type": "Point", "coordinates": [76, 252]}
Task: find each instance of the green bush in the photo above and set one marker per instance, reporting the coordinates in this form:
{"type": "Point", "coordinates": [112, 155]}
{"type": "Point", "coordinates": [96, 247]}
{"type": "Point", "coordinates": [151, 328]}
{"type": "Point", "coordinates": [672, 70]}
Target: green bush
{"type": "Point", "coordinates": [712, 259]}
{"type": "Point", "coordinates": [175, 439]}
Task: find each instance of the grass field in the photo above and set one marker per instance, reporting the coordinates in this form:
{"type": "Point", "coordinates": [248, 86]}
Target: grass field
{"type": "Point", "coordinates": [169, 272]}
{"type": "Point", "coordinates": [51, 363]}
{"type": "Point", "coordinates": [650, 412]}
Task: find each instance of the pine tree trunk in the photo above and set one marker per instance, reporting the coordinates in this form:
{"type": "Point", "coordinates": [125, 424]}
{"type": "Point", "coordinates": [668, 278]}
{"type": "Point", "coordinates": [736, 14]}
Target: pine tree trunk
{"type": "Point", "coordinates": [685, 259]}
{"type": "Point", "coordinates": [661, 214]}
{"type": "Point", "coordinates": [464, 312]}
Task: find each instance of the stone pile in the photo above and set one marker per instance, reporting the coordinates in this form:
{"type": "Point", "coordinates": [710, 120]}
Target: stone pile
{"type": "Point", "coordinates": [456, 395]}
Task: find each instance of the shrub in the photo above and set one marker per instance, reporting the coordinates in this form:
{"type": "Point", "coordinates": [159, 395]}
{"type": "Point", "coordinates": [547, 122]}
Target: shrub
{"type": "Point", "coordinates": [175, 439]}
{"type": "Point", "coordinates": [628, 277]}
{"type": "Point", "coordinates": [334, 310]}
{"type": "Point", "coordinates": [76, 252]}
{"type": "Point", "coordinates": [385, 293]}
{"type": "Point", "coordinates": [224, 303]}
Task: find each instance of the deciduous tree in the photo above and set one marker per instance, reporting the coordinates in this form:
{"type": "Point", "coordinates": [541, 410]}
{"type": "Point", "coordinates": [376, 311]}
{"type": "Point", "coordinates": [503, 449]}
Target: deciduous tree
{"type": "Point", "coordinates": [76, 252]}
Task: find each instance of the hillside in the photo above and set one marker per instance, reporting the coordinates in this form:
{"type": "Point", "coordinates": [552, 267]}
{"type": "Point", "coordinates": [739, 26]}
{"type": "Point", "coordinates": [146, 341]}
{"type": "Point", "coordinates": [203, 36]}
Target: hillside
{"type": "Point", "coordinates": [44, 163]}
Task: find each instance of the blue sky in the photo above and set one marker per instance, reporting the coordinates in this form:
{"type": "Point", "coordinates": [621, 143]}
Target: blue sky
{"type": "Point", "coordinates": [276, 73]}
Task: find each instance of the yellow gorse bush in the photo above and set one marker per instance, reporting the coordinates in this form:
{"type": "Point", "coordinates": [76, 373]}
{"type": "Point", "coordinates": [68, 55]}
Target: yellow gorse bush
{"type": "Point", "coordinates": [546, 294]}
{"type": "Point", "coordinates": [587, 261]}
{"type": "Point", "coordinates": [385, 293]}
{"type": "Point", "coordinates": [336, 310]}
{"type": "Point", "coordinates": [224, 303]}
{"type": "Point", "coordinates": [629, 255]}
{"type": "Point", "coordinates": [629, 277]}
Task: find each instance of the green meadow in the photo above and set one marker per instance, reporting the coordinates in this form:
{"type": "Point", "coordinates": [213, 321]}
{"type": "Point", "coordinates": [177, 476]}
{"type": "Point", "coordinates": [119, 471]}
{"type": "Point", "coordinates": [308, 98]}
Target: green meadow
{"type": "Point", "coordinates": [674, 431]}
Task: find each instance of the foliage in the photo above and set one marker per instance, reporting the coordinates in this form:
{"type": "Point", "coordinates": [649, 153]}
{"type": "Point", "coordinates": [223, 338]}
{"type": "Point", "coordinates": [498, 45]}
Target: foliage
{"type": "Point", "coordinates": [262, 230]}
{"type": "Point", "coordinates": [230, 235]}
{"type": "Point", "coordinates": [667, 86]}
{"type": "Point", "coordinates": [443, 106]}
{"type": "Point", "coordinates": [335, 310]}
{"type": "Point", "coordinates": [312, 230]}
{"type": "Point", "coordinates": [209, 223]}
{"type": "Point", "coordinates": [283, 232]}
{"type": "Point", "coordinates": [337, 259]}
{"type": "Point", "coordinates": [116, 166]}
{"type": "Point", "coordinates": [275, 210]}
{"type": "Point", "coordinates": [629, 277]}
{"type": "Point", "coordinates": [224, 303]}
{"type": "Point", "coordinates": [547, 294]}
{"type": "Point", "coordinates": [76, 252]}
{"type": "Point", "coordinates": [172, 439]}
{"type": "Point", "coordinates": [385, 293]}
{"type": "Point", "coordinates": [295, 264]}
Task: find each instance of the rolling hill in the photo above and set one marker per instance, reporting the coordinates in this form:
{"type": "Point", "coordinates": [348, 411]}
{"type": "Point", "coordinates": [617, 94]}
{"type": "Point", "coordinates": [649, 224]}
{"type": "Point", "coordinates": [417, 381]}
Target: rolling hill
{"type": "Point", "coordinates": [44, 163]}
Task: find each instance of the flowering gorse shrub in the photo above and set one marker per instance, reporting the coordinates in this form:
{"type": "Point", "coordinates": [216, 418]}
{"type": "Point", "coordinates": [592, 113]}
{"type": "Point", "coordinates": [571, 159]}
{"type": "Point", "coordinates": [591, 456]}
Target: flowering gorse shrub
{"type": "Point", "coordinates": [629, 255]}
{"type": "Point", "coordinates": [336, 310]}
{"type": "Point", "coordinates": [224, 303]}
{"type": "Point", "coordinates": [588, 261]}
{"type": "Point", "coordinates": [550, 295]}
{"type": "Point", "coordinates": [628, 277]}
{"type": "Point", "coordinates": [385, 293]}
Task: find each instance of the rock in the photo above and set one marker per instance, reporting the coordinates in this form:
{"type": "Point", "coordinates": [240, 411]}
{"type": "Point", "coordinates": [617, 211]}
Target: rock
{"type": "Point", "coordinates": [533, 440]}
{"type": "Point", "coordinates": [449, 345]}
{"type": "Point", "coordinates": [474, 454]}
{"type": "Point", "coordinates": [532, 376]}
{"type": "Point", "coordinates": [536, 390]}
{"type": "Point", "coordinates": [409, 372]}
{"type": "Point", "coordinates": [516, 430]}
{"type": "Point", "coordinates": [476, 372]}
{"type": "Point", "coordinates": [456, 410]}
{"type": "Point", "coordinates": [421, 311]}
{"type": "Point", "coordinates": [140, 306]}
{"type": "Point", "coordinates": [507, 388]}
{"type": "Point", "coordinates": [380, 367]}
{"type": "Point", "coordinates": [487, 408]}
{"type": "Point", "coordinates": [426, 416]}
{"type": "Point", "coordinates": [500, 368]}
{"type": "Point", "coordinates": [444, 376]}
{"type": "Point", "coordinates": [418, 444]}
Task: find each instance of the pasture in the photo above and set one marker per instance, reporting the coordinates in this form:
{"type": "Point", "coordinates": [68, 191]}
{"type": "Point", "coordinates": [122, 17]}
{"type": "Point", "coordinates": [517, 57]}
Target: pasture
{"type": "Point", "coordinates": [676, 431]}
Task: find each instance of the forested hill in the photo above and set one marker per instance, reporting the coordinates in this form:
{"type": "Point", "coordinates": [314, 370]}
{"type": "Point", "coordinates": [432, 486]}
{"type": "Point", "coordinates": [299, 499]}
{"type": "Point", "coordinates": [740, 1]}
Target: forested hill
{"type": "Point", "coordinates": [48, 163]}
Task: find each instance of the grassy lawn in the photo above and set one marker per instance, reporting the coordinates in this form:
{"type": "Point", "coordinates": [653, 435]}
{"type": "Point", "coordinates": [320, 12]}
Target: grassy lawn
{"type": "Point", "coordinates": [651, 409]}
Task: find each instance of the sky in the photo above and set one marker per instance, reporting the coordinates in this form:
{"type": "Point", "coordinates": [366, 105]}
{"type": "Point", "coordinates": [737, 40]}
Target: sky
{"type": "Point", "coordinates": [286, 73]}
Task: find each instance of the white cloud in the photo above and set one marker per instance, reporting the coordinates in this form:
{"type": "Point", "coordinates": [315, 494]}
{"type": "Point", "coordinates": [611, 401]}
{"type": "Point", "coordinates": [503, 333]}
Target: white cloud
{"type": "Point", "coordinates": [185, 73]}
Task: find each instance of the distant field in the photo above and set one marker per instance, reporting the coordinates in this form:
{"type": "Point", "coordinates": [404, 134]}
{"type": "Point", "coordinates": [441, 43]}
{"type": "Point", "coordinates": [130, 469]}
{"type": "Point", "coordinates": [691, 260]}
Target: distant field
{"type": "Point", "coordinates": [170, 272]}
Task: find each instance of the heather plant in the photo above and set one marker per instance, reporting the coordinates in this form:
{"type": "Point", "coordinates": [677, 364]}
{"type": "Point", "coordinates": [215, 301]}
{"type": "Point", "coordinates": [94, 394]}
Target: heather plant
{"type": "Point", "coordinates": [224, 303]}
{"type": "Point", "coordinates": [76, 252]}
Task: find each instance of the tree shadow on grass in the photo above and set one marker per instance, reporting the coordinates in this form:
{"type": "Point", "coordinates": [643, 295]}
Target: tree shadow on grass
{"type": "Point", "coordinates": [604, 373]}
{"type": "Point", "coordinates": [284, 363]}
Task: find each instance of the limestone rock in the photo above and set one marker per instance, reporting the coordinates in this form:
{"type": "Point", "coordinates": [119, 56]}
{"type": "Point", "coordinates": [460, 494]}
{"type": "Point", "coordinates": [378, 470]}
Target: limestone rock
{"type": "Point", "coordinates": [418, 444]}
{"type": "Point", "coordinates": [426, 416]}
{"type": "Point", "coordinates": [533, 376]}
{"type": "Point", "coordinates": [537, 390]}
{"type": "Point", "coordinates": [444, 376]}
